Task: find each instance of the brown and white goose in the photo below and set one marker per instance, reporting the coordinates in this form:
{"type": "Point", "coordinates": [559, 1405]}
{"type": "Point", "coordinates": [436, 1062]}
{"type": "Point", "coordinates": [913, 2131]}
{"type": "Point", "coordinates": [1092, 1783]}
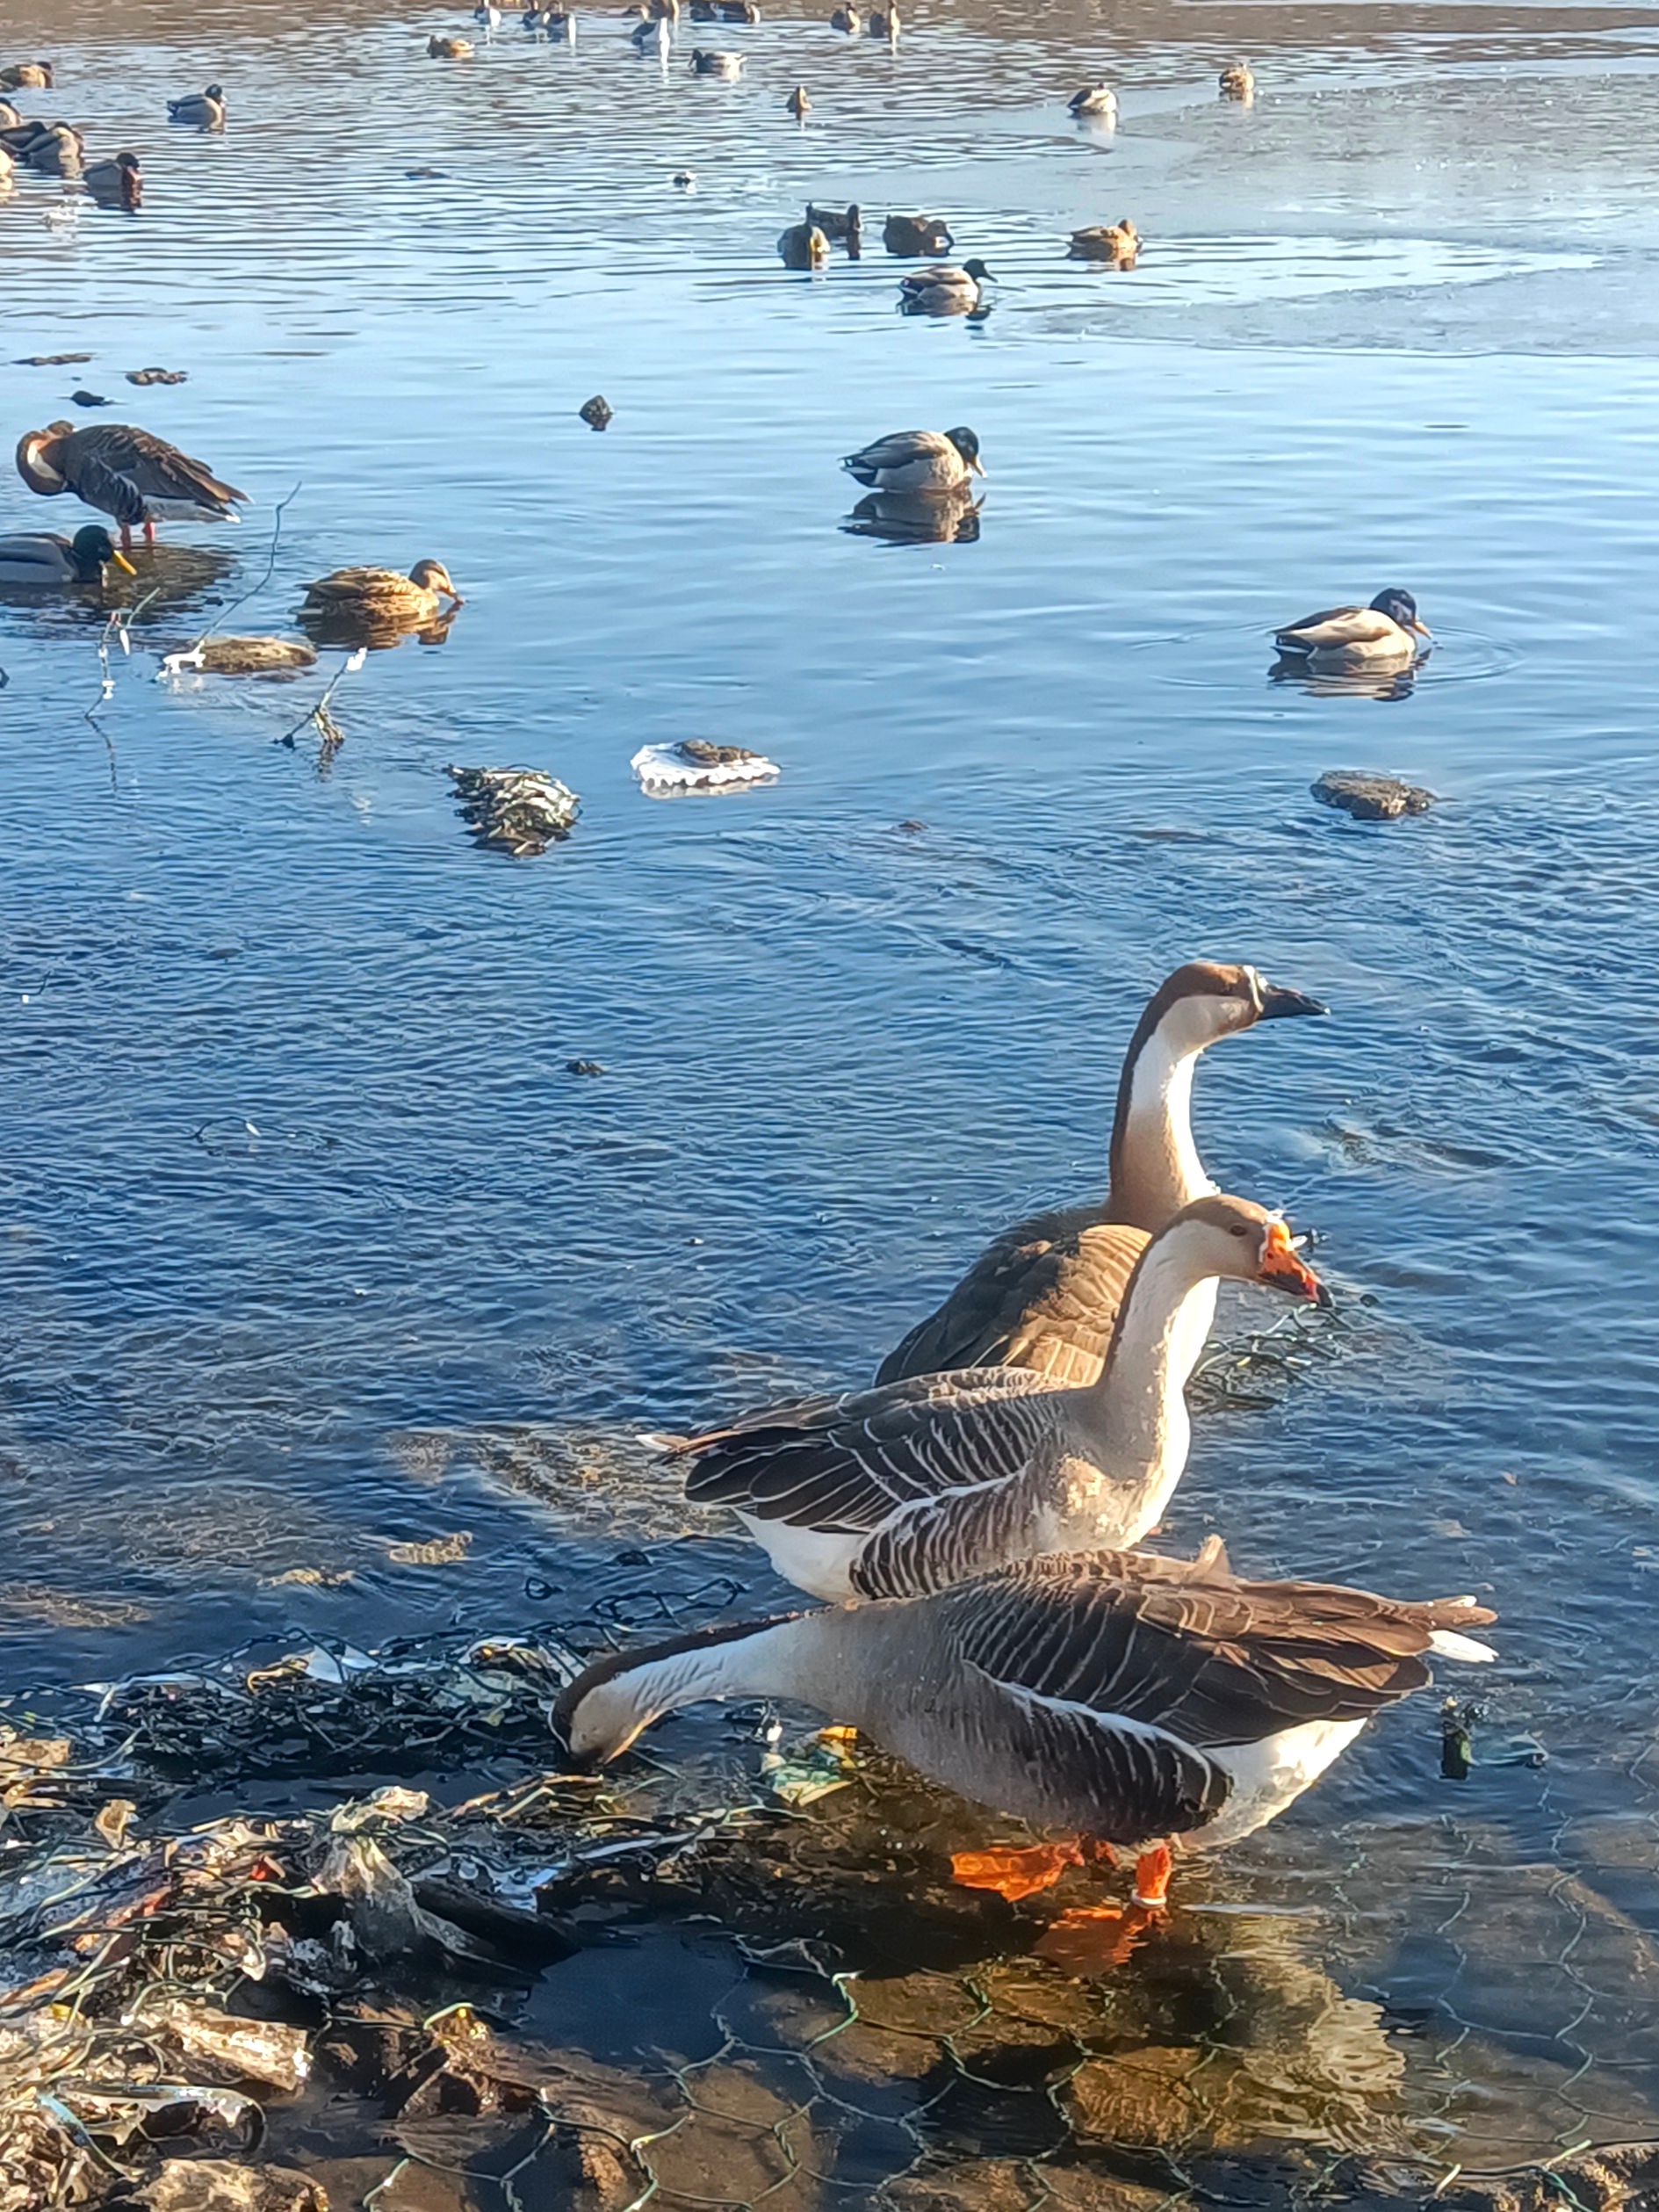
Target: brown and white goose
{"type": "Point", "coordinates": [1128, 1699]}
{"type": "Point", "coordinates": [1045, 1294]}
{"type": "Point", "coordinates": [894, 1491]}
{"type": "Point", "coordinates": [124, 472]}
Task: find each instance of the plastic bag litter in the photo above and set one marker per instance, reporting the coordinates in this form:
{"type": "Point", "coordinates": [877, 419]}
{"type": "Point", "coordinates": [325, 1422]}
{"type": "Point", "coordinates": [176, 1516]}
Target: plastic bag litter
{"type": "Point", "coordinates": [262, 2050]}
{"type": "Point", "coordinates": [382, 1807]}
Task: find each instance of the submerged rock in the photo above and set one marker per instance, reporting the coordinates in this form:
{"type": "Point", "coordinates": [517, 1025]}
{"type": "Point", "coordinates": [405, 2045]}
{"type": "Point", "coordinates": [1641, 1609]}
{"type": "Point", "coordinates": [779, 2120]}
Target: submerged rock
{"type": "Point", "coordinates": [1369, 797]}
{"type": "Point", "coordinates": [596, 412]}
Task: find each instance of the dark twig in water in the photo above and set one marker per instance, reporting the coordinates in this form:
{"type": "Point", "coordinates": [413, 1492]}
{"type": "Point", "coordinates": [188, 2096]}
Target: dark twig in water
{"type": "Point", "coordinates": [331, 735]}
{"type": "Point", "coordinates": [253, 592]}
{"type": "Point", "coordinates": [118, 623]}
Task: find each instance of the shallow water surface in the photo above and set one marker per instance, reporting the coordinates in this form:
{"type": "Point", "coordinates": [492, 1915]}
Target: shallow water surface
{"type": "Point", "coordinates": [315, 1250]}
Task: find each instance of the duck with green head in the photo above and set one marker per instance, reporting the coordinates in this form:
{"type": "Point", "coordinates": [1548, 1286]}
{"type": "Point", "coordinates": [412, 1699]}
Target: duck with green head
{"type": "Point", "coordinates": [43, 557]}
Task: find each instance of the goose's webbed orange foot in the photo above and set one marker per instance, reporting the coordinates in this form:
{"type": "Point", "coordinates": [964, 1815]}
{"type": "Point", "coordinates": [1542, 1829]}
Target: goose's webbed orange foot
{"type": "Point", "coordinates": [1014, 1874]}
{"type": "Point", "coordinates": [1153, 1871]}
{"type": "Point", "coordinates": [1096, 1935]}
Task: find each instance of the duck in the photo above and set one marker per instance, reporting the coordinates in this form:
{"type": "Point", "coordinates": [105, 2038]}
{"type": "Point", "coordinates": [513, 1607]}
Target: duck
{"type": "Point", "coordinates": [913, 235]}
{"type": "Point", "coordinates": [42, 557]}
{"type": "Point", "coordinates": [943, 289]}
{"type": "Point", "coordinates": [1045, 1293]}
{"type": "Point", "coordinates": [6, 167]}
{"type": "Point", "coordinates": [26, 77]}
{"type": "Point", "coordinates": [798, 106]}
{"type": "Point", "coordinates": [803, 246]}
{"type": "Point", "coordinates": [449, 50]}
{"type": "Point", "coordinates": [905, 1488]}
{"type": "Point", "coordinates": [652, 36]}
{"type": "Point", "coordinates": [124, 472]}
{"type": "Point", "coordinates": [115, 184]}
{"type": "Point", "coordinates": [846, 19]}
{"type": "Point", "coordinates": [705, 11]}
{"type": "Point", "coordinates": [1107, 241]}
{"type": "Point", "coordinates": [382, 594]}
{"type": "Point", "coordinates": [1383, 634]}
{"type": "Point", "coordinates": [1138, 1701]}
{"type": "Point", "coordinates": [841, 225]}
{"type": "Point", "coordinates": [57, 149]}
{"type": "Point", "coordinates": [1095, 101]}
{"type": "Point", "coordinates": [883, 23]}
{"type": "Point", "coordinates": [714, 64]}
{"type": "Point", "coordinates": [488, 15]}
{"type": "Point", "coordinates": [10, 119]}
{"type": "Point", "coordinates": [739, 11]}
{"type": "Point", "coordinates": [18, 137]}
{"type": "Point", "coordinates": [204, 111]}
{"type": "Point", "coordinates": [917, 461]}
{"type": "Point", "coordinates": [1236, 83]}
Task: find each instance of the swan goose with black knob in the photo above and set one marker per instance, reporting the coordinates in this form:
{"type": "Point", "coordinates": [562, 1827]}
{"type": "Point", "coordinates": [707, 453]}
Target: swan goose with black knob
{"type": "Point", "coordinates": [1130, 1699]}
{"type": "Point", "coordinates": [1045, 1294]}
{"type": "Point", "coordinates": [894, 1491]}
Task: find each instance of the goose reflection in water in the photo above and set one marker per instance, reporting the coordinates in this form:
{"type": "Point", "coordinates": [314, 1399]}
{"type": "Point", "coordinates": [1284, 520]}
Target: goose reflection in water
{"type": "Point", "coordinates": [1372, 683]}
{"type": "Point", "coordinates": [917, 518]}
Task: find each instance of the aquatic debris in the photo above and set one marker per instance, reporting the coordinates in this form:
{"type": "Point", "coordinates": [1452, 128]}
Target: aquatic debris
{"type": "Point", "coordinates": [1369, 797]}
{"type": "Point", "coordinates": [685, 179]}
{"type": "Point", "coordinates": [242, 656]}
{"type": "Point", "coordinates": [516, 810]}
{"type": "Point", "coordinates": [449, 50]}
{"type": "Point", "coordinates": [218, 2185]}
{"type": "Point", "coordinates": [158, 376]}
{"type": "Point", "coordinates": [695, 765]}
{"type": "Point", "coordinates": [49, 360]}
{"type": "Point", "coordinates": [596, 412]}
{"type": "Point", "coordinates": [89, 399]}
{"type": "Point", "coordinates": [437, 1551]}
{"type": "Point", "coordinates": [584, 1068]}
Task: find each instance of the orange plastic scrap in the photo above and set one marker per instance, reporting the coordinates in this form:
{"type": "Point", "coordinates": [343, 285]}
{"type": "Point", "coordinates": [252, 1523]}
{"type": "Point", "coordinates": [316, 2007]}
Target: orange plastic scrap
{"type": "Point", "coordinates": [1014, 1874]}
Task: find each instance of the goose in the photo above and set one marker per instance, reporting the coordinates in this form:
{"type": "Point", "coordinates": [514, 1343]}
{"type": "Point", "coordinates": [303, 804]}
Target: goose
{"type": "Point", "coordinates": [911, 236]}
{"type": "Point", "coordinates": [800, 107]}
{"type": "Point", "coordinates": [1237, 83]}
{"type": "Point", "coordinates": [382, 594]}
{"type": "Point", "coordinates": [26, 77]}
{"type": "Point", "coordinates": [715, 64]}
{"type": "Point", "coordinates": [917, 461]}
{"type": "Point", "coordinates": [942, 289]}
{"type": "Point", "coordinates": [803, 246]}
{"type": "Point", "coordinates": [1045, 1294]}
{"type": "Point", "coordinates": [1095, 101]}
{"type": "Point", "coordinates": [204, 111]}
{"type": "Point", "coordinates": [116, 184]}
{"type": "Point", "coordinates": [896, 1491]}
{"type": "Point", "coordinates": [1107, 241]}
{"type": "Point", "coordinates": [43, 558]}
{"type": "Point", "coordinates": [1341, 639]}
{"type": "Point", "coordinates": [841, 225]}
{"type": "Point", "coordinates": [1131, 1700]}
{"type": "Point", "coordinates": [124, 472]}
{"type": "Point", "coordinates": [449, 50]}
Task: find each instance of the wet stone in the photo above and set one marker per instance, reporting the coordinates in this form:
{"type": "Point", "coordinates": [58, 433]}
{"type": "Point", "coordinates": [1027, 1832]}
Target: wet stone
{"type": "Point", "coordinates": [596, 412]}
{"type": "Point", "coordinates": [1369, 797]}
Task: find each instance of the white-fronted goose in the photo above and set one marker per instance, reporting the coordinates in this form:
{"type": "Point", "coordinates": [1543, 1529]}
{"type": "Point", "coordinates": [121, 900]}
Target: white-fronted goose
{"type": "Point", "coordinates": [1128, 1699]}
{"type": "Point", "coordinates": [918, 461]}
{"type": "Point", "coordinates": [1341, 639]}
{"type": "Point", "coordinates": [124, 472]}
{"type": "Point", "coordinates": [1045, 1294]}
{"type": "Point", "coordinates": [894, 1491]}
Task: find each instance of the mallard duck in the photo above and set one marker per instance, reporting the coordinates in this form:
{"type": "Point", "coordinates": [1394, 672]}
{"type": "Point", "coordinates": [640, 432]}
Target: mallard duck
{"type": "Point", "coordinates": [26, 77]}
{"type": "Point", "coordinates": [841, 225]}
{"type": "Point", "coordinates": [115, 184]}
{"type": "Point", "coordinates": [943, 289]}
{"type": "Point", "coordinates": [1096, 101]}
{"type": "Point", "coordinates": [917, 461]}
{"type": "Point", "coordinates": [124, 472]}
{"type": "Point", "coordinates": [205, 110]}
{"type": "Point", "coordinates": [1385, 633]}
{"type": "Point", "coordinates": [382, 594]}
{"type": "Point", "coordinates": [798, 104]}
{"type": "Point", "coordinates": [1129, 1699]}
{"type": "Point", "coordinates": [913, 235]}
{"type": "Point", "coordinates": [1045, 1294]}
{"type": "Point", "coordinates": [10, 120]}
{"type": "Point", "coordinates": [1237, 83]}
{"type": "Point", "coordinates": [652, 36]}
{"type": "Point", "coordinates": [846, 19]}
{"type": "Point", "coordinates": [449, 50]}
{"type": "Point", "coordinates": [883, 23]}
{"type": "Point", "coordinates": [891, 1492]}
{"type": "Point", "coordinates": [803, 246]}
{"type": "Point", "coordinates": [43, 558]}
{"type": "Point", "coordinates": [707, 64]}
{"type": "Point", "coordinates": [17, 138]}
{"type": "Point", "coordinates": [58, 149]}
{"type": "Point", "coordinates": [1107, 241]}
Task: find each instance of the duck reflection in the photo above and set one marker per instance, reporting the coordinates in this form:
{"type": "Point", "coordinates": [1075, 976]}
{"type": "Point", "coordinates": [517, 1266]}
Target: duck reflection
{"type": "Point", "coordinates": [917, 518]}
{"type": "Point", "coordinates": [1365, 683]}
{"type": "Point", "coordinates": [358, 629]}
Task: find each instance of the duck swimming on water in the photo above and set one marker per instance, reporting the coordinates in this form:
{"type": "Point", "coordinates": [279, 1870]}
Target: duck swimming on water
{"type": "Point", "coordinates": [203, 110]}
{"type": "Point", "coordinates": [917, 461]}
{"type": "Point", "coordinates": [943, 289]}
{"type": "Point", "coordinates": [42, 557]}
{"type": "Point", "coordinates": [1341, 639]}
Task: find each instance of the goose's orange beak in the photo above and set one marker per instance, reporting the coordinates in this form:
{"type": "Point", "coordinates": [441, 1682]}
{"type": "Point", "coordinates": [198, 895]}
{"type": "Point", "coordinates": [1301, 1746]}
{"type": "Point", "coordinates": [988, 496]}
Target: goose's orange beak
{"type": "Point", "coordinates": [1281, 1266]}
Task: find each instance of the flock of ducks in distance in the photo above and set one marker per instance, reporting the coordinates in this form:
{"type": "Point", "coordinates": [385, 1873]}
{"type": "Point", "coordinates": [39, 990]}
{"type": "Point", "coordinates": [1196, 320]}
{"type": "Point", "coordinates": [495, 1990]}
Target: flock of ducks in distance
{"type": "Point", "coordinates": [969, 1521]}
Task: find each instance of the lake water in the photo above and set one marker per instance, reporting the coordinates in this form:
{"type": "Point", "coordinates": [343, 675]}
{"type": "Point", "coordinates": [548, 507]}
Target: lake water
{"type": "Point", "coordinates": [313, 1247]}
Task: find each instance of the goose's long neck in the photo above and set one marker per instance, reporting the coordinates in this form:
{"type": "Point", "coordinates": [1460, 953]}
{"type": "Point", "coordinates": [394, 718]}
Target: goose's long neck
{"type": "Point", "coordinates": [801, 1657]}
{"type": "Point", "coordinates": [1155, 1169]}
{"type": "Point", "coordinates": [1138, 1407]}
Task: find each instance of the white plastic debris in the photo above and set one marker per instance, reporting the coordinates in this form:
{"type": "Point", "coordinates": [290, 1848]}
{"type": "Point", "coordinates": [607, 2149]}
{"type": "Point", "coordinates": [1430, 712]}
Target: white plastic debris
{"type": "Point", "coordinates": [698, 766]}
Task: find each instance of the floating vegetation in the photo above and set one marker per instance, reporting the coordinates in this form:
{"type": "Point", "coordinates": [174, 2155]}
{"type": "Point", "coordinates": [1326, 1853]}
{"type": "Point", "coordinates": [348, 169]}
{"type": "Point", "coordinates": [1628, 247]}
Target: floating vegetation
{"type": "Point", "coordinates": [698, 766]}
{"type": "Point", "coordinates": [516, 810]}
{"type": "Point", "coordinates": [50, 360]}
{"type": "Point", "coordinates": [158, 376]}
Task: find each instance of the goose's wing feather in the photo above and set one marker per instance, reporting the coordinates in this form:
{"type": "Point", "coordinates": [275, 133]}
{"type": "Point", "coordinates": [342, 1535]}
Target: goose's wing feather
{"type": "Point", "coordinates": [1338, 625]}
{"type": "Point", "coordinates": [118, 462]}
{"type": "Point", "coordinates": [902, 450]}
{"type": "Point", "coordinates": [1188, 1648]}
{"type": "Point", "coordinates": [850, 1465]}
{"type": "Point", "coordinates": [1044, 1294]}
